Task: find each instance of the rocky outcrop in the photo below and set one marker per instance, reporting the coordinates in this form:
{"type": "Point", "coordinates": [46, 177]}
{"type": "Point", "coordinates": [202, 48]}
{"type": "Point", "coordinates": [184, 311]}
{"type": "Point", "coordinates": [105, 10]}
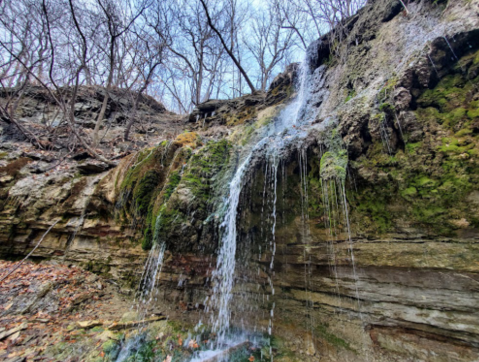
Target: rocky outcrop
{"type": "Point", "coordinates": [391, 275]}
{"type": "Point", "coordinates": [376, 211]}
{"type": "Point", "coordinates": [40, 117]}
{"type": "Point", "coordinates": [208, 116]}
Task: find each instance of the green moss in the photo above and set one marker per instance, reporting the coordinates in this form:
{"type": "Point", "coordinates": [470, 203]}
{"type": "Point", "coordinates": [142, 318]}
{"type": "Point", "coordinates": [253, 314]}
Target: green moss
{"type": "Point", "coordinates": [351, 95]}
{"type": "Point", "coordinates": [463, 132]}
{"type": "Point", "coordinates": [199, 176]}
{"type": "Point", "coordinates": [140, 188]}
{"type": "Point", "coordinates": [145, 161]}
{"type": "Point", "coordinates": [424, 181]}
{"type": "Point", "coordinates": [147, 241]}
{"type": "Point", "coordinates": [246, 114]}
{"type": "Point", "coordinates": [454, 146]}
{"type": "Point", "coordinates": [387, 108]}
{"type": "Point", "coordinates": [174, 180]}
{"type": "Point", "coordinates": [429, 214]}
{"type": "Point", "coordinates": [169, 220]}
{"type": "Point", "coordinates": [453, 118]}
{"type": "Point", "coordinates": [412, 148]}
{"type": "Point", "coordinates": [332, 338]}
{"type": "Point", "coordinates": [204, 166]}
{"type": "Point", "coordinates": [374, 213]}
{"type": "Point", "coordinates": [386, 91]}
{"type": "Point", "coordinates": [247, 133]}
{"type": "Point", "coordinates": [101, 268]}
{"type": "Point", "coordinates": [315, 205]}
{"type": "Point", "coordinates": [452, 99]}
{"type": "Point", "coordinates": [410, 191]}
{"type": "Point", "coordinates": [426, 185]}
{"type": "Point", "coordinates": [144, 190]}
{"type": "Point", "coordinates": [473, 113]}
{"type": "Point", "coordinates": [111, 348]}
{"type": "Point", "coordinates": [334, 165]}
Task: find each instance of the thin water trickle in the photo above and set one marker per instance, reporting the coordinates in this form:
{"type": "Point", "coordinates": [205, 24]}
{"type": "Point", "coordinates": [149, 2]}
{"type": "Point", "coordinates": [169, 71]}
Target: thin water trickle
{"type": "Point", "coordinates": [385, 135]}
{"type": "Point", "coordinates": [146, 294]}
{"type": "Point", "coordinates": [433, 65]}
{"type": "Point", "coordinates": [400, 128]}
{"type": "Point", "coordinates": [450, 47]}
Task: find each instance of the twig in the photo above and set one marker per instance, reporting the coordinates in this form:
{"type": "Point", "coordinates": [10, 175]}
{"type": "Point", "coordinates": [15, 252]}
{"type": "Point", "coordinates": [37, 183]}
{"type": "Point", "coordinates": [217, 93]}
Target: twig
{"type": "Point", "coordinates": [30, 253]}
{"type": "Point", "coordinates": [405, 7]}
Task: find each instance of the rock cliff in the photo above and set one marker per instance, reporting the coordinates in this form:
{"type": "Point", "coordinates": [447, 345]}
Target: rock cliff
{"type": "Point", "coordinates": [375, 211]}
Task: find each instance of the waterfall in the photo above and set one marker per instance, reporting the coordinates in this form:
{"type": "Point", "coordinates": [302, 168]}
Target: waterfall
{"type": "Point", "coordinates": [288, 127]}
{"type": "Point", "coordinates": [226, 261]}
{"type": "Point", "coordinates": [146, 293]}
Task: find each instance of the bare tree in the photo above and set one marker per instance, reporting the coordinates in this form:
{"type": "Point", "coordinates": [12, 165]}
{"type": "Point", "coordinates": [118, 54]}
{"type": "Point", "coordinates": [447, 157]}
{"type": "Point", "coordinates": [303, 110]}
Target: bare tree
{"type": "Point", "coordinates": [147, 54]}
{"type": "Point", "coordinates": [116, 28]}
{"type": "Point", "coordinates": [228, 49]}
{"type": "Point", "coordinates": [183, 52]}
{"type": "Point", "coordinates": [269, 42]}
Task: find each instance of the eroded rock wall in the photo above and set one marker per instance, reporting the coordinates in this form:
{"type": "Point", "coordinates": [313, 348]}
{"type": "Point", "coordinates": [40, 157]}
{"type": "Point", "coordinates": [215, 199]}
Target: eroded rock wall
{"type": "Point", "coordinates": [394, 148]}
{"type": "Point", "coordinates": [402, 285]}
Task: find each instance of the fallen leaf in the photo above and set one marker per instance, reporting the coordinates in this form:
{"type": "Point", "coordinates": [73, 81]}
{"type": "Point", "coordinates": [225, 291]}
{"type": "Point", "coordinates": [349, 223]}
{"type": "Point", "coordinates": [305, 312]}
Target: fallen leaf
{"type": "Point", "coordinates": [192, 344]}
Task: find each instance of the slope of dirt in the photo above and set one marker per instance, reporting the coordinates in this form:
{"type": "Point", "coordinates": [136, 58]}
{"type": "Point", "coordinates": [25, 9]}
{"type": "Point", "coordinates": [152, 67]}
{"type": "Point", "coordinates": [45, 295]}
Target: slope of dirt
{"type": "Point", "coordinates": [43, 308]}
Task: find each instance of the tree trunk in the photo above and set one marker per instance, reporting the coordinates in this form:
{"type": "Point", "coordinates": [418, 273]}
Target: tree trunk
{"type": "Point", "coordinates": [99, 122]}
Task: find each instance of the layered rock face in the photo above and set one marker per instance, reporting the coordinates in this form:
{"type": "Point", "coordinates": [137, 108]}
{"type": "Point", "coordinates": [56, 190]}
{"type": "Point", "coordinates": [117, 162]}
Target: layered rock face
{"type": "Point", "coordinates": [375, 213]}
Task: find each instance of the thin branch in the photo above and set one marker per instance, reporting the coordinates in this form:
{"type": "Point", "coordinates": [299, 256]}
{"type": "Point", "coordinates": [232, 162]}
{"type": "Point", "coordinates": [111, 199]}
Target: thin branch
{"type": "Point", "coordinates": [230, 53]}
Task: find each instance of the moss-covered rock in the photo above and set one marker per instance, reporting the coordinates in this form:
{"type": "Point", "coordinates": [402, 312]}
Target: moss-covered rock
{"type": "Point", "coordinates": [427, 181]}
{"type": "Point", "coordinates": [334, 165]}
{"type": "Point", "coordinates": [190, 197]}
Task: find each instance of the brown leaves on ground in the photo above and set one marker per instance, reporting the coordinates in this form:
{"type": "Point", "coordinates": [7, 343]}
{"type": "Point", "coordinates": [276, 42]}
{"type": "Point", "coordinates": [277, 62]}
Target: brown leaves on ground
{"type": "Point", "coordinates": [48, 299]}
{"type": "Point", "coordinates": [28, 280]}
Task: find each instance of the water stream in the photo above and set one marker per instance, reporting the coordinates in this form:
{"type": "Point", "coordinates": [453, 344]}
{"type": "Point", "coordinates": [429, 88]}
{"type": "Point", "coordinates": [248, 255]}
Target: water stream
{"type": "Point", "coordinates": [146, 295]}
{"type": "Point", "coordinates": [290, 126]}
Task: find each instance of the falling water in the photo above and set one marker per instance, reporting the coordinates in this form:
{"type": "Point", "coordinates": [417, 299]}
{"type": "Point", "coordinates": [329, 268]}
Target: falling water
{"type": "Point", "coordinates": [288, 127]}
{"type": "Point", "coordinates": [450, 47]}
{"type": "Point", "coordinates": [305, 234]}
{"type": "Point", "coordinates": [399, 126]}
{"type": "Point", "coordinates": [146, 294]}
{"type": "Point", "coordinates": [226, 261]}
{"type": "Point", "coordinates": [434, 65]}
{"type": "Point", "coordinates": [383, 130]}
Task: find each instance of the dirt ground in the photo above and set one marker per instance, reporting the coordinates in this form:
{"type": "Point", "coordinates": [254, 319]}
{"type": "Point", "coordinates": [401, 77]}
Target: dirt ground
{"type": "Point", "coordinates": [46, 309]}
